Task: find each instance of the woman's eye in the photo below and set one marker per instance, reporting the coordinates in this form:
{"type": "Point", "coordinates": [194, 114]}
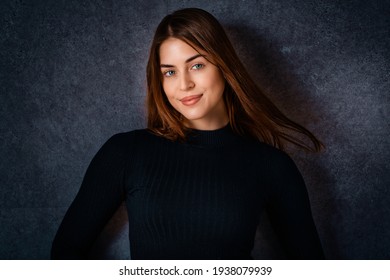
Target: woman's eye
{"type": "Point", "coordinates": [197, 66]}
{"type": "Point", "coordinates": [169, 73]}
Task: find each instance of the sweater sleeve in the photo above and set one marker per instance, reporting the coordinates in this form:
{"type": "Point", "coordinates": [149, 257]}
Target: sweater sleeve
{"type": "Point", "coordinates": [100, 194]}
{"type": "Point", "coordinates": [289, 210]}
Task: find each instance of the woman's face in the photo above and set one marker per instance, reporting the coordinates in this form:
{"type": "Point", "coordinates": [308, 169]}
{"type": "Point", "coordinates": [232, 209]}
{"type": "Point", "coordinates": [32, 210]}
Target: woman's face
{"type": "Point", "coordinates": [193, 85]}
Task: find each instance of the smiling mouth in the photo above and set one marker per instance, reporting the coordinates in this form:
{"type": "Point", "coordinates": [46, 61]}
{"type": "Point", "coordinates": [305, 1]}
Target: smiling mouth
{"type": "Point", "coordinates": [191, 100]}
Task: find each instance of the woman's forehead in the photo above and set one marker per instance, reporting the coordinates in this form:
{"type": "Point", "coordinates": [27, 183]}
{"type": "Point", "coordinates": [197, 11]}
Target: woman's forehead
{"type": "Point", "coordinates": [174, 50]}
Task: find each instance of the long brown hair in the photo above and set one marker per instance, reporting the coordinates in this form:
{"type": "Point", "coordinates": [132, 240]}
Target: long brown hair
{"type": "Point", "coordinates": [250, 112]}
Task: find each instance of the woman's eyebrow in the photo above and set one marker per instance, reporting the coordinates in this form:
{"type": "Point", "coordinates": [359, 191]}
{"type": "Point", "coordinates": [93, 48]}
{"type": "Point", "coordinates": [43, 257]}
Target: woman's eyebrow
{"type": "Point", "coordinates": [187, 60]}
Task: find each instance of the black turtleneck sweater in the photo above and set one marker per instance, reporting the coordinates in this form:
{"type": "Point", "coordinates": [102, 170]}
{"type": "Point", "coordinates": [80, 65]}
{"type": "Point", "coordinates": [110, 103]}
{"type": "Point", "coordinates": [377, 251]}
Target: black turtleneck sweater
{"type": "Point", "coordinates": [200, 199]}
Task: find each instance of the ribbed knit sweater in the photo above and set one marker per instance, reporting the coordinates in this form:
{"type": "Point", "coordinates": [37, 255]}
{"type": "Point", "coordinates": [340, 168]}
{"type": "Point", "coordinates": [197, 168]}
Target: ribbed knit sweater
{"type": "Point", "coordinates": [198, 199]}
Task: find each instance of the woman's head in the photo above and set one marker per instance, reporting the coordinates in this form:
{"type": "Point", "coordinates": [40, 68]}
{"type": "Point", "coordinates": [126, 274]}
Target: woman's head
{"type": "Point", "coordinates": [248, 110]}
{"type": "Point", "coordinates": [204, 34]}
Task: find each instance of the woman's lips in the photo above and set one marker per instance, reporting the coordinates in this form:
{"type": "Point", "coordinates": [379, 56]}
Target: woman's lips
{"type": "Point", "coordinates": [191, 100]}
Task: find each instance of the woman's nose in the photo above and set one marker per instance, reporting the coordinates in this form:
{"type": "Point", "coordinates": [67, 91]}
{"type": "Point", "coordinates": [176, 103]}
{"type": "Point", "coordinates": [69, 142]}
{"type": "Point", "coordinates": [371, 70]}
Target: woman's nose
{"type": "Point", "coordinates": [186, 82]}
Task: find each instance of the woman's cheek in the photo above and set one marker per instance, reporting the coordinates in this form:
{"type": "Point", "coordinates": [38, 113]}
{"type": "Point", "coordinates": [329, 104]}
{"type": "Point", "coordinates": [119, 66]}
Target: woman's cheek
{"type": "Point", "coordinates": [167, 89]}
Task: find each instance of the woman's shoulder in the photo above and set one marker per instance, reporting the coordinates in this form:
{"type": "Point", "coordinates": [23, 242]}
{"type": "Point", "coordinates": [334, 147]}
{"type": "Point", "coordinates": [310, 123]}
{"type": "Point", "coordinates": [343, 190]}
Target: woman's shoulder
{"type": "Point", "coordinates": [269, 157]}
{"type": "Point", "coordinates": [125, 138]}
{"type": "Point", "coordinates": [129, 135]}
{"type": "Point", "coordinates": [264, 150]}
{"type": "Point", "coordinates": [130, 139]}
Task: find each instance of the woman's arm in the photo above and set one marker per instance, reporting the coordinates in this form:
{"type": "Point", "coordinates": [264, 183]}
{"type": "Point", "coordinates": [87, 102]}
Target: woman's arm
{"type": "Point", "coordinates": [289, 211]}
{"type": "Point", "coordinates": [100, 194]}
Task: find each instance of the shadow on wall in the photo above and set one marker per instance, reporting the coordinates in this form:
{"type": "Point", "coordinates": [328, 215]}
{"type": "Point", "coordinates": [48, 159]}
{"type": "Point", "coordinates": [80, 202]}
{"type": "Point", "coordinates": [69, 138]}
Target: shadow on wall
{"type": "Point", "coordinates": [274, 74]}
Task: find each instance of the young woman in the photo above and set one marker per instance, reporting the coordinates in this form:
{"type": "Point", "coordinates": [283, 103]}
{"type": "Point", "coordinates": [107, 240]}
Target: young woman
{"type": "Point", "coordinates": [196, 181]}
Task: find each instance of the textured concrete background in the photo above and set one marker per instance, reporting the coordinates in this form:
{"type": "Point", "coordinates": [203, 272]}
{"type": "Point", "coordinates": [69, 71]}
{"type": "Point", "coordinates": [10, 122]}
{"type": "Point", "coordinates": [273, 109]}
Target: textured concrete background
{"type": "Point", "coordinates": [73, 74]}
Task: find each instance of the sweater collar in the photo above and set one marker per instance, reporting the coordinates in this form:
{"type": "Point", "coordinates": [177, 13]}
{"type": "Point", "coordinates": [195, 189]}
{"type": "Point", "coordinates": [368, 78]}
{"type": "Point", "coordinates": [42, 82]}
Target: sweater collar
{"type": "Point", "coordinates": [219, 137]}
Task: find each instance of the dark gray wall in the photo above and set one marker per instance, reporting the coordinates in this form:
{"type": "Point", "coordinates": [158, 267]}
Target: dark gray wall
{"type": "Point", "coordinates": [72, 74]}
